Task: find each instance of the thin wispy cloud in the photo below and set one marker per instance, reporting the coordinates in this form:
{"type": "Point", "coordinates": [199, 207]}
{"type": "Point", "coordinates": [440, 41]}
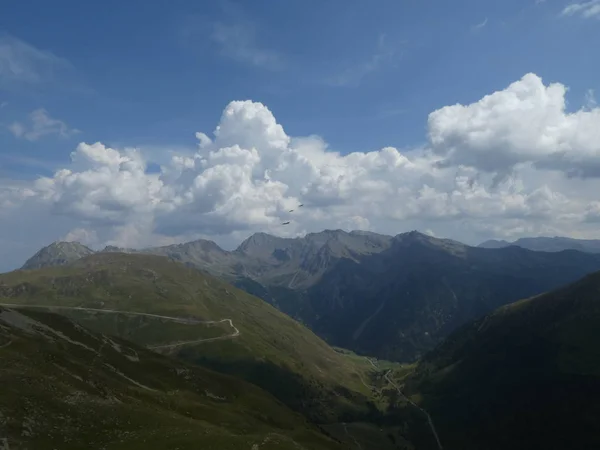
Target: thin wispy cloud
{"type": "Point", "coordinates": [21, 62]}
{"type": "Point", "coordinates": [35, 163]}
{"type": "Point", "coordinates": [480, 25]}
{"type": "Point", "coordinates": [590, 101]}
{"type": "Point", "coordinates": [239, 42]}
{"type": "Point", "coordinates": [40, 124]}
{"type": "Point", "coordinates": [234, 35]}
{"type": "Point", "coordinates": [391, 112]}
{"type": "Point", "coordinates": [587, 10]}
{"type": "Point", "coordinates": [383, 56]}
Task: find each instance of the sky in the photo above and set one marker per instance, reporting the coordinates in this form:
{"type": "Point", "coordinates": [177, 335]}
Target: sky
{"type": "Point", "coordinates": [149, 123]}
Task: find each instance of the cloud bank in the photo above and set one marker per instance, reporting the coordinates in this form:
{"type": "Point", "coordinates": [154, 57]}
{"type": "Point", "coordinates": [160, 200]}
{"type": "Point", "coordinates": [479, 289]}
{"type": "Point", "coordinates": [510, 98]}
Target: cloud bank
{"type": "Point", "coordinates": [514, 163]}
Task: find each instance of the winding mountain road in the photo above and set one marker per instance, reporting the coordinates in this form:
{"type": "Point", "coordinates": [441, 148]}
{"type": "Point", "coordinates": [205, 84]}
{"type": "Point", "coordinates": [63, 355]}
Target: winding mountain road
{"type": "Point", "coordinates": [182, 320]}
{"type": "Point", "coordinates": [351, 437]}
{"type": "Point", "coordinates": [235, 334]}
{"type": "Point", "coordinates": [413, 404]}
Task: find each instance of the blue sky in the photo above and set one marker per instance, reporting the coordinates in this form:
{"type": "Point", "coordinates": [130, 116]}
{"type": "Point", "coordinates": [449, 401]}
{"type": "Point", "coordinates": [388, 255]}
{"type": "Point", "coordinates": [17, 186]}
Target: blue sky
{"type": "Point", "coordinates": [361, 74]}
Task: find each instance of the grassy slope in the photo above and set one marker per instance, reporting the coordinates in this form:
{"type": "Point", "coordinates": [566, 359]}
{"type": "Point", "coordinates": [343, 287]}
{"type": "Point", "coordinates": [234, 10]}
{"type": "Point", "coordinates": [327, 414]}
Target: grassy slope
{"type": "Point", "coordinates": [526, 376]}
{"type": "Point", "coordinates": [273, 350]}
{"type": "Point", "coordinates": [71, 389]}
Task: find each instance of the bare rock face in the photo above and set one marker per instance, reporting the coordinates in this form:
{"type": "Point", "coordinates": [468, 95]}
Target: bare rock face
{"type": "Point", "coordinates": [57, 254]}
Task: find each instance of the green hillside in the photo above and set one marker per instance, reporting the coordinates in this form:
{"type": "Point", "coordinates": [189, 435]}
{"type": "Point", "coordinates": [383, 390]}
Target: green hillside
{"type": "Point", "coordinates": [272, 349]}
{"type": "Point", "coordinates": [526, 376]}
{"type": "Point", "coordinates": [181, 312]}
{"type": "Point", "coordinates": [64, 387]}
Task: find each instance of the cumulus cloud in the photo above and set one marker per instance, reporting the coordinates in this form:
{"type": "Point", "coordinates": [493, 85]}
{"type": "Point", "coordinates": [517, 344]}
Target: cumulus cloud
{"type": "Point", "coordinates": [40, 125]}
{"type": "Point", "coordinates": [513, 163]}
{"type": "Point", "coordinates": [525, 123]}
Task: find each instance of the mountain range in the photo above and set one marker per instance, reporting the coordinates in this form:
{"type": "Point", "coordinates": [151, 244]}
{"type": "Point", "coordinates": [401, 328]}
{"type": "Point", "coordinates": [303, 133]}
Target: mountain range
{"type": "Point", "coordinates": [393, 297]}
{"type": "Point", "coordinates": [160, 354]}
{"type": "Point", "coordinates": [548, 244]}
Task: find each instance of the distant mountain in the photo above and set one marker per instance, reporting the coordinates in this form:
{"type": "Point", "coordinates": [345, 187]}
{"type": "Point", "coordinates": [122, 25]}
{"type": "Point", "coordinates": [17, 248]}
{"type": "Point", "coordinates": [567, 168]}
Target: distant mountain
{"type": "Point", "coordinates": [391, 297]}
{"type": "Point", "coordinates": [548, 244]}
{"type": "Point", "coordinates": [64, 386]}
{"type": "Point", "coordinates": [525, 376]}
{"type": "Point", "coordinates": [399, 303]}
{"type": "Point", "coordinates": [57, 254]}
{"type": "Point", "coordinates": [299, 263]}
{"type": "Point", "coordinates": [201, 254]}
{"type": "Point", "coordinates": [493, 243]}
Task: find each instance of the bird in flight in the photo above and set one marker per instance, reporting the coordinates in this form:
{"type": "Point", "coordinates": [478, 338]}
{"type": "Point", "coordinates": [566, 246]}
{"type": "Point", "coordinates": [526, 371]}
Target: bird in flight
{"type": "Point", "coordinates": [285, 223]}
{"type": "Point", "coordinates": [300, 205]}
{"type": "Point", "coordinates": [291, 210]}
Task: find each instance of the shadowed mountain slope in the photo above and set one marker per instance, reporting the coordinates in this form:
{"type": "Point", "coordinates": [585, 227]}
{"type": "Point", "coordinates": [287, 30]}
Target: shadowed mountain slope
{"type": "Point", "coordinates": [526, 376]}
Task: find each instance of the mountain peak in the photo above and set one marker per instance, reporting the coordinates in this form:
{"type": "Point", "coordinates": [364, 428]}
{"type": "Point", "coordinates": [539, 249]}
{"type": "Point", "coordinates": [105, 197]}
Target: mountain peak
{"type": "Point", "coordinates": [202, 244]}
{"type": "Point", "coordinates": [58, 253]}
{"type": "Point", "coordinates": [260, 242]}
{"type": "Point", "coordinates": [494, 243]}
{"type": "Point", "coordinates": [415, 235]}
{"type": "Point", "coordinates": [447, 245]}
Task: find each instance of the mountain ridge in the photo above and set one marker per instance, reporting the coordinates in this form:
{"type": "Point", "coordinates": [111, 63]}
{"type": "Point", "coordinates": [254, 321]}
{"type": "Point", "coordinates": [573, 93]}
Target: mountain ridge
{"type": "Point", "coordinates": [525, 376]}
{"type": "Point", "coordinates": [394, 297]}
{"type": "Point", "coordinates": [548, 244]}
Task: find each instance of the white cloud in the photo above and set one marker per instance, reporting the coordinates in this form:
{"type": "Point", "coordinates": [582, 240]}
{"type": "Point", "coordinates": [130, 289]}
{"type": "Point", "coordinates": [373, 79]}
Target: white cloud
{"type": "Point", "coordinates": [525, 123]}
{"type": "Point", "coordinates": [20, 62]}
{"type": "Point", "coordinates": [41, 124]}
{"type": "Point", "coordinates": [480, 25]}
{"type": "Point", "coordinates": [250, 173]}
{"type": "Point", "coordinates": [586, 10]}
{"type": "Point", "coordinates": [81, 235]}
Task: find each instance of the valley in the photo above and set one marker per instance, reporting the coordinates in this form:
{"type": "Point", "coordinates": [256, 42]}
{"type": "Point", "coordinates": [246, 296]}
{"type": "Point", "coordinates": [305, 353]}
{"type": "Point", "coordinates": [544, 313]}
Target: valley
{"type": "Point", "coordinates": [180, 312]}
{"type": "Point", "coordinates": [525, 376]}
{"type": "Point", "coordinates": [460, 395]}
{"type": "Point", "coordinates": [393, 297]}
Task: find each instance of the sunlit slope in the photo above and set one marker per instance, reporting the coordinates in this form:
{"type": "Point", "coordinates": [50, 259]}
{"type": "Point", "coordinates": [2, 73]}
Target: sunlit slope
{"type": "Point", "coordinates": [64, 387]}
{"type": "Point", "coordinates": [526, 376]}
{"type": "Point", "coordinates": [271, 350]}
